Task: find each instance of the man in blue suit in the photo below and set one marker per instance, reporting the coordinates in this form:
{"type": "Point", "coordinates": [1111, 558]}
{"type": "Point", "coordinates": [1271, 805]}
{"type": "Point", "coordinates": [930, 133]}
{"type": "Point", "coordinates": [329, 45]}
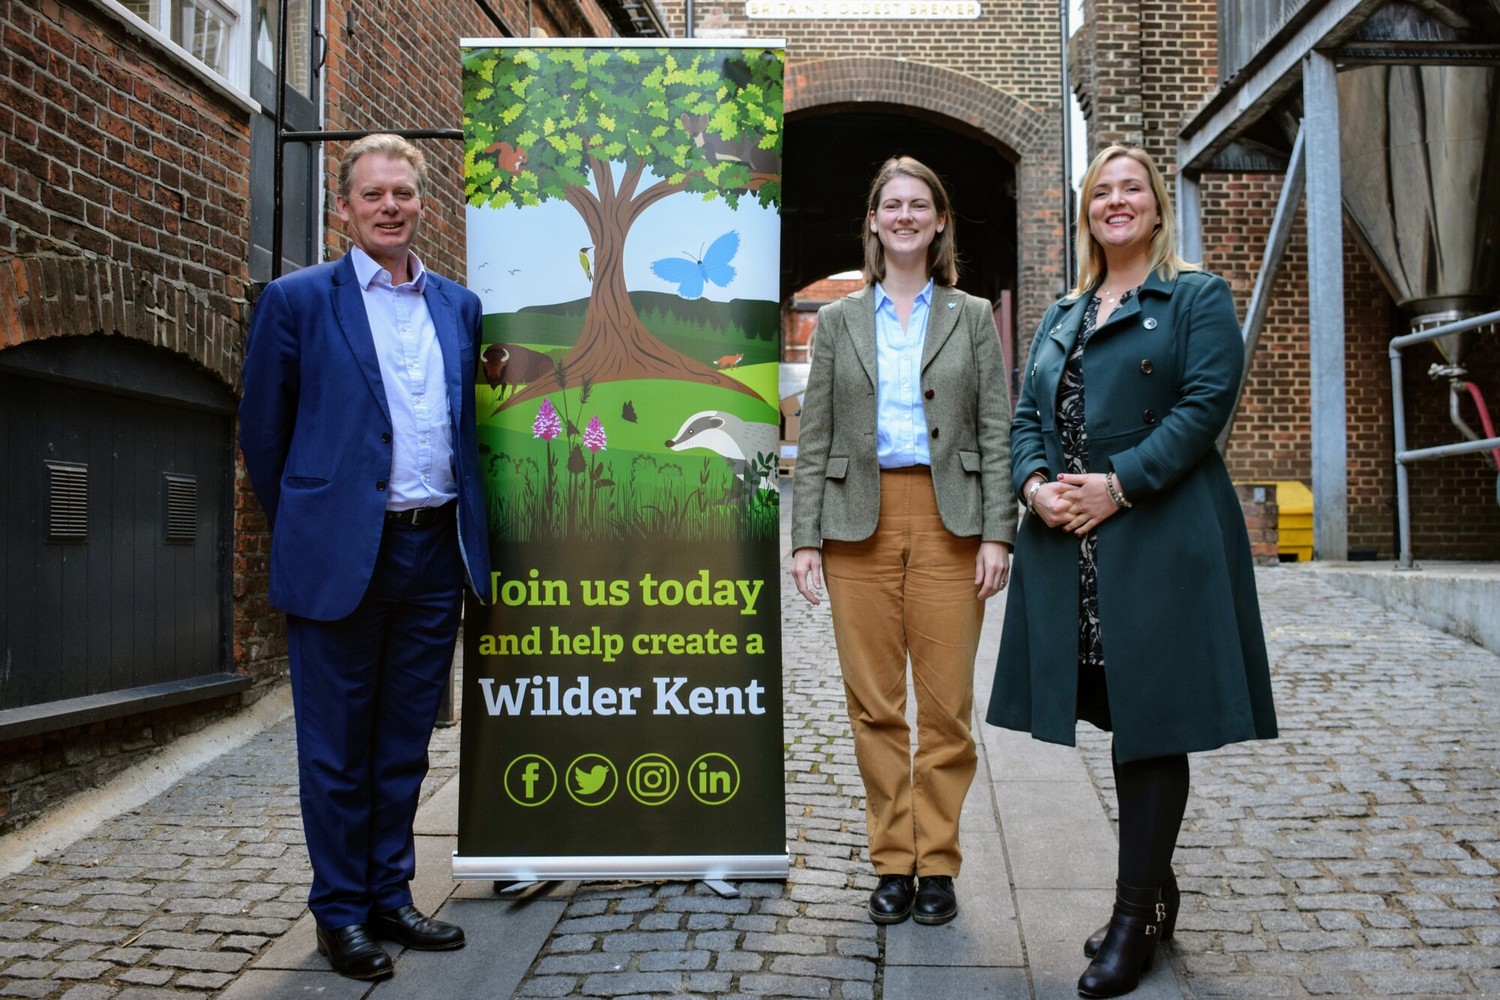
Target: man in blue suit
{"type": "Point", "coordinates": [358, 430]}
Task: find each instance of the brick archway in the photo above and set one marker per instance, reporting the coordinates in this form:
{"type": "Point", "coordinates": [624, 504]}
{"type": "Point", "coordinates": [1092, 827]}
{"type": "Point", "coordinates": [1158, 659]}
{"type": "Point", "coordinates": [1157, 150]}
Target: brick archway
{"type": "Point", "coordinates": [1028, 136]}
{"type": "Point", "coordinates": [1015, 126]}
{"type": "Point", "coordinates": [56, 296]}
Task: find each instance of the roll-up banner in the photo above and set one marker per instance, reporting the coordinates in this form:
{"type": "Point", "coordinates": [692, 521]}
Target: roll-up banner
{"type": "Point", "coordinates": [622, 710]}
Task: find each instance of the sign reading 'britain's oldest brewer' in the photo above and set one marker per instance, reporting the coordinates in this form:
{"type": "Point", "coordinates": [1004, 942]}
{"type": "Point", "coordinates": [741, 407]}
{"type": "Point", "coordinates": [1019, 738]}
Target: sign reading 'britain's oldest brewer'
{"type": "Point", "coordinates": [622, 690]}
{"type": "Point", "coordinates": [868, 10]}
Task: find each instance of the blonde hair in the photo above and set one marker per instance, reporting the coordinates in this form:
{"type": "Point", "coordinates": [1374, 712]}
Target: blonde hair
{"type": "Point", "coordinates": [387, 144]}
{"type": "Point", "coordinates": [1164, 257]}
{"type": "Point", "coordinates": [942, 254]}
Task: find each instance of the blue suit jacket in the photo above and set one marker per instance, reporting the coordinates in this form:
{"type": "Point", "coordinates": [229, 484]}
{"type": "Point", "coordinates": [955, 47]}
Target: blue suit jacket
{"type": "Point", "coordinates": [315, 429]}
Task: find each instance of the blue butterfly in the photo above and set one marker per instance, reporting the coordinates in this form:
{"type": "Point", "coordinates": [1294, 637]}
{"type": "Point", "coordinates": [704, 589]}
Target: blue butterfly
{"type": "Point", "coordinates": [689, 275]}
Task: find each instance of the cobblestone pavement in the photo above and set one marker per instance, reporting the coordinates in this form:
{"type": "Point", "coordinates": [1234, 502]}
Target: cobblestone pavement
{"type": "Point", "coordinates": [809, 938]}
{"type": "Point", "coordinates": [1354, 856]}
{"type": "Point", "coordinates": [178, 896]}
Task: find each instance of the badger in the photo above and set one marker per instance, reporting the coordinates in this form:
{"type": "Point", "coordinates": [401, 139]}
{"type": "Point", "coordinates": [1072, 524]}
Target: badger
{"type": "Point", "coordinates": [739, 441]}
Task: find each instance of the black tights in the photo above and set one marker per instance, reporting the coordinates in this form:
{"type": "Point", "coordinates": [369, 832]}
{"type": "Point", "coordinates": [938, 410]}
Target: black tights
{"type": "Point", "coordinates": [1153, 796]}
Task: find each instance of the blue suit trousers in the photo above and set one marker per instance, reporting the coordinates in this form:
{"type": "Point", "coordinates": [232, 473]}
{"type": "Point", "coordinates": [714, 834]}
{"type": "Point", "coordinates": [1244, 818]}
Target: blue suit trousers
{"type": "Point", "coordinates": [366, 691]}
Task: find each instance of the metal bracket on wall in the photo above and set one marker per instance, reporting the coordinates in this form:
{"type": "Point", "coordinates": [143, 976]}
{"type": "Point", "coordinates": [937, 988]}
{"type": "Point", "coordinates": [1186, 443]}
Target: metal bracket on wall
{"type": "Point", "coordinates": [283, 137]}
{"type": "Point", "coordinates": [1270, 267]}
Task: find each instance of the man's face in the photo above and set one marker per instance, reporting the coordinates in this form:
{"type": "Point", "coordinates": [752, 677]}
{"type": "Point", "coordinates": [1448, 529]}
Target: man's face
{"type": "Point", "coordinates": [383, 208]}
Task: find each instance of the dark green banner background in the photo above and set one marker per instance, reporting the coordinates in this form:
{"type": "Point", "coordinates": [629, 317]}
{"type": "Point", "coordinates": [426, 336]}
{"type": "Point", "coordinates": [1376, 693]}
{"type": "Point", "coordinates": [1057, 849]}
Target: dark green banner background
{"type": "Point", "coordinates": [621, 706]}
{"type": "Point", "coordinates": [740, 692]}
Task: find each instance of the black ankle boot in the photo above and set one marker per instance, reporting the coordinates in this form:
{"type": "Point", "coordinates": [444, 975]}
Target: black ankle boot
{"type": "Point", "coordinates": [1170, 896]}
{"type": "Point", "coordinates": [1129, 944]}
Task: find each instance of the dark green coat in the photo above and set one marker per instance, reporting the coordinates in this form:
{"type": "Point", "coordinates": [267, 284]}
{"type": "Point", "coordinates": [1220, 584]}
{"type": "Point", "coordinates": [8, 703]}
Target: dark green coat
{"type": "Point", "coordinates": [1184, 653]}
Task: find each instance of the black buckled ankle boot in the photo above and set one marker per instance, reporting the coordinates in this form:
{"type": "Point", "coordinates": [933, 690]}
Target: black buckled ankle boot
{"type": "Point", "coordinates": [1170, 896]}
{"type": "Point", "coordinates": [1129, 944]}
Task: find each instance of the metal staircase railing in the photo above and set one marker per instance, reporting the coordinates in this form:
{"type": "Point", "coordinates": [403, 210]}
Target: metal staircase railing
{"type": "Point", "coordinates": [1398, 408]}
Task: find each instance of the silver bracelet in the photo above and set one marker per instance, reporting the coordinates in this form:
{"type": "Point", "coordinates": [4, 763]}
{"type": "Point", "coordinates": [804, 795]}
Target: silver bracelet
{"type": "Point", "coordinates": [1031, 494]}
{"type": "Point", "coordinates": [1114, 491]}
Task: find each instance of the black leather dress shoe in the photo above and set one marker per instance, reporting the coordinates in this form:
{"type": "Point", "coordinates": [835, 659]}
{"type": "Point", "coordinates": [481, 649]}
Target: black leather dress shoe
{"type": "Point", "coordinates": [937, 901]}
{"type": "Point", "coordinates": [890, 903]}
{"type": "Point", "coordinates": [406, 926]}
{"type": "Point", "coordinates": [353, 953]}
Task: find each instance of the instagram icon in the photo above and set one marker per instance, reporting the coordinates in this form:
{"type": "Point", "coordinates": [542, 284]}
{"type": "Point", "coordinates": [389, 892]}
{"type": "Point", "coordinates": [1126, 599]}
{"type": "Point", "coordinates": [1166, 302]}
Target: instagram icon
{"type": "Point", "coordinates": [652, 779]}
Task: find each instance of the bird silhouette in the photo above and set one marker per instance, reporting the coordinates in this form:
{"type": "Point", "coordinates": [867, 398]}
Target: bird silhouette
{"type": "Point", "coordinates": [592, 780]}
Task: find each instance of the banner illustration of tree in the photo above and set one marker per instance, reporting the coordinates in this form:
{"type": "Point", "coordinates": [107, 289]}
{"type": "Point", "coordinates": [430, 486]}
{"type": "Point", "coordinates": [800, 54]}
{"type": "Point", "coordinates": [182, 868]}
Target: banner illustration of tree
{"type": "Point", "coordinates": [576, 113]}
{"type": "Point", "coordinates": [624, 237]}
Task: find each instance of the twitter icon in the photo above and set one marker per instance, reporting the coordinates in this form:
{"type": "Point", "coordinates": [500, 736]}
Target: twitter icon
{"type": "Point", "coordinates": [592, 779]}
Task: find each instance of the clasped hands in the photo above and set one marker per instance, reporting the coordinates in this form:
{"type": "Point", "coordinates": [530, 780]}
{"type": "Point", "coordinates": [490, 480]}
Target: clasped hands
{"type": "Point", "coordinates": [1076, 503]}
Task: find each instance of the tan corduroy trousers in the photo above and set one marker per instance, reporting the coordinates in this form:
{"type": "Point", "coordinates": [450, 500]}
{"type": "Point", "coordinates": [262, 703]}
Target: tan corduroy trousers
{"type": "Point", "coordinates": [908, 590]}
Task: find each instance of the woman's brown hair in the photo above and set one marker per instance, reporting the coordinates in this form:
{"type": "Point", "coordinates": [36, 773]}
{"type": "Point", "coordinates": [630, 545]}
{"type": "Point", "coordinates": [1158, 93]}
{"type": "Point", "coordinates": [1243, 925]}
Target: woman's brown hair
{"type": "Point", "coordinates": [942, 254]}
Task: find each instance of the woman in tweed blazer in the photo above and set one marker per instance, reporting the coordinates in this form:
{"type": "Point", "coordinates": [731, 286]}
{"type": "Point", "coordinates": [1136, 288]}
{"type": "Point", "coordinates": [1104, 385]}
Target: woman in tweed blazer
{"type": "Point", "coordinates": [902, 500]}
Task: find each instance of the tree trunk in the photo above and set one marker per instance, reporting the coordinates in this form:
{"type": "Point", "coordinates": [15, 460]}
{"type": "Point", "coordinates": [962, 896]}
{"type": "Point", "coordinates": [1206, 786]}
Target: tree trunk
{"type": "Point", "coordinates": [613, 345]}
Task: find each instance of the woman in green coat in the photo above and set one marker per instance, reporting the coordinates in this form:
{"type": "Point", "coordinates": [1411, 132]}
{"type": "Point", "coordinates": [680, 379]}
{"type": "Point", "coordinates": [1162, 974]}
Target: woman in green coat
{"type": "Point", "coordinates": [1132, 603]}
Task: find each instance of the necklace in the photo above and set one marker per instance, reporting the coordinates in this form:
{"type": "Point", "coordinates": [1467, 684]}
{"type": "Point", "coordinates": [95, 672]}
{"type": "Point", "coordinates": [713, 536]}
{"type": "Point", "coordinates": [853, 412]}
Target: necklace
{"type": "Point", "coordinates": [1113, 298]}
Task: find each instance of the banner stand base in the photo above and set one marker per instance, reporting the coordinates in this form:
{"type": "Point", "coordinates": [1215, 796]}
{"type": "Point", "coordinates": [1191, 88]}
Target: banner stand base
{"type": "Point", "coordinates": [519, 890]}
{"type": "Point", "coordinates": [522, 890]}
{"type": "Point", "coordinates": [724, 889]}
{"type": "Point", "coordinates": [708, 868]}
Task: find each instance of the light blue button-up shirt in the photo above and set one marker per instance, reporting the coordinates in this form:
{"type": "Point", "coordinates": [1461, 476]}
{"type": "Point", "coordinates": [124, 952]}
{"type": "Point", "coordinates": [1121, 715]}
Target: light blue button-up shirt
{"type": "Point", "coordinates": [411, 366]}
{"type": "Point", "coordinates": [900, 419]}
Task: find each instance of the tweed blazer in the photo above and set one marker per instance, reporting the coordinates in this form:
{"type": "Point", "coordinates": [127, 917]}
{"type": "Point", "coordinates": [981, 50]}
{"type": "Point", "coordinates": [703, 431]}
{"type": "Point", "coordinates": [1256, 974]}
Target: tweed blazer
{"type": "Point", "coordinates": [836, 488]}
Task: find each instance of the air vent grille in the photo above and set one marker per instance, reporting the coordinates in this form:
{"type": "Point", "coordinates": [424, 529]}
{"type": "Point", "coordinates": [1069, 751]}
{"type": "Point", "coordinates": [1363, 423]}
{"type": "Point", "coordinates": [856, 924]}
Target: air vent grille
{"type": "Point", "coordinates": [67, 502]}
{"type": "Point", "coordinates": [180, 500]}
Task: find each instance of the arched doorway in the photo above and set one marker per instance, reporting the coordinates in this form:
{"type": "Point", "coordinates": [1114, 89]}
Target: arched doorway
{"type": "Point", "coordinates": [833, 152]}
{"type": "Point", "coordinates": [115, 552]}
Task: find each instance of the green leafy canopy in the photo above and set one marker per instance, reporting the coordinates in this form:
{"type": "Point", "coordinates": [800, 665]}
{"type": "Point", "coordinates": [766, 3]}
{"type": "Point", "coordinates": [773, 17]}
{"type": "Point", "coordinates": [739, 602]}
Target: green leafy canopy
{"type": "Point", "coordinates": [572, 110]}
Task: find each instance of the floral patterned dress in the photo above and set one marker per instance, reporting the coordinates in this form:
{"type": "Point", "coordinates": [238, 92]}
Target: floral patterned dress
{"type": "Point", "coordinates": [1093, 695]}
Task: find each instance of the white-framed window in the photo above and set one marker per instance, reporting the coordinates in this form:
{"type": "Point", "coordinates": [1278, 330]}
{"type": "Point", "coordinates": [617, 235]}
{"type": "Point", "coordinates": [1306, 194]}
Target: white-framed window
{"type": "Point", "coordinates": [299, 43]}
{"type": "Point", "coordinates": [210, 31]}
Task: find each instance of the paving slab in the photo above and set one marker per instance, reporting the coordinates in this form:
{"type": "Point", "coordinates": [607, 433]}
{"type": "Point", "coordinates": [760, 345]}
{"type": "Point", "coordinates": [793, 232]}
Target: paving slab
{"type": "Point", "coordinates": [926, 982]}
{"type": "Point", "coordinates": [278, 984]}
{"type": "Point", "coordinates": [1057, 835]}
{"type": "Point", "coordinates": [503, 938]}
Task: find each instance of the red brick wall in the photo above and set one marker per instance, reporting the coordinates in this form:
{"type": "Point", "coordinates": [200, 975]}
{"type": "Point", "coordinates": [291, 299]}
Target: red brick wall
{"type": "Point", "coordinates": [1455, 508]}
{"type": "Point", "coordinates": [412, 63]}
{"type": "Point", "coordinates": [802, 320]}
{"type": "Point", "coordinates": [1169, 48]}
{"type": "Point", "coordinates": [124, 213]}
{"type": "Point", "coordinates": [123, 198]}
{"type": "Point", "coordinates": [1012, 46]}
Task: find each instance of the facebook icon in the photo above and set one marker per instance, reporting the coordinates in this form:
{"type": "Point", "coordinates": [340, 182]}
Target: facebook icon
{"type": "Point", "coordinates": [530, 780]}
{"type": "Point", "coordinates": [529, 775]}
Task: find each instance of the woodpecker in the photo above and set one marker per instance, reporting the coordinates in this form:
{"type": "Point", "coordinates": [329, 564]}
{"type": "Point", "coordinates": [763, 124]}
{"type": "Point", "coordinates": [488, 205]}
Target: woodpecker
{"type": "Point", "coordinates": [583, 262]}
